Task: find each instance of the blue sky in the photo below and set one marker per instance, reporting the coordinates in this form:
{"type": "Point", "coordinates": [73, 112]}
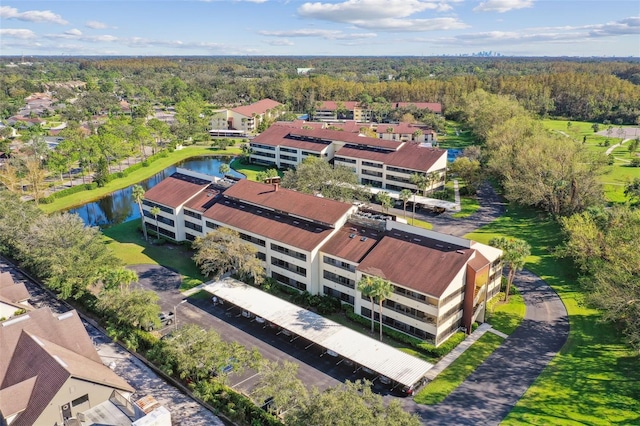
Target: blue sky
{"type": "Point", "coordinates": [322, 27]}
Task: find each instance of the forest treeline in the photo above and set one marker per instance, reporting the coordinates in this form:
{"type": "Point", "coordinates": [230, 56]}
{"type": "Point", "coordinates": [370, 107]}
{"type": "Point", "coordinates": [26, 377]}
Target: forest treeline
{"type": "Point", "coordinates": [606, 91]}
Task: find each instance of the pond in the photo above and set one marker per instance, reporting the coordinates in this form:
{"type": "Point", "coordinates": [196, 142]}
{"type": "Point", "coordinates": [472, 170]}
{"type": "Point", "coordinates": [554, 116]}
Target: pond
{"type": "Point", "coordinates": [119, 207]}
{"type": "Point", "coordinates": [452, 154]}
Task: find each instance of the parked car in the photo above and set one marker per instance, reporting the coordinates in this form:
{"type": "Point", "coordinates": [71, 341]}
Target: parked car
{"type": "Point", "coordinates": [166, 318]}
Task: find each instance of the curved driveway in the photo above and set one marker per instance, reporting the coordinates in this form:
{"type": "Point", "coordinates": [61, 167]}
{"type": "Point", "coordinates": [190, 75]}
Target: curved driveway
{"type": "Point", "coordinates": [491, 391]}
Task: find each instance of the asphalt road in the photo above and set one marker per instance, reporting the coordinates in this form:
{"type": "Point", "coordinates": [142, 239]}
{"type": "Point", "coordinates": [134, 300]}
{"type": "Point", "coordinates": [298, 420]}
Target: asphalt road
{"type": "Point", "coordinates": [491, 391]}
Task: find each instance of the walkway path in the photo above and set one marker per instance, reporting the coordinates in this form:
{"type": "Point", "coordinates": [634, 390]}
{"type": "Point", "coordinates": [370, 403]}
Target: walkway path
{"type": "Point", "coordinates": [614, 146]}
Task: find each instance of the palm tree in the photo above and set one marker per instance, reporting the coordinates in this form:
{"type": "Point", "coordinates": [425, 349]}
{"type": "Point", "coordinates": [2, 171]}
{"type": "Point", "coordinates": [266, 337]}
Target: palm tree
{"type": "Point", "coordinates": [385, 200]}
{"type": "Point", "coordinates": [155, 211]}
{"type": "Point", "coordinates": [367, 288]}
{"type": "Point", "coordinates": [138, 197]}
{"type": "Point", "coordinates": [421, 182]}
{"type": "Point", "coordinates": [404, 195]}
{"type": "Point", "coordinates": [382, 290]}
{"type": "Point", "coordinates": [515, 253]}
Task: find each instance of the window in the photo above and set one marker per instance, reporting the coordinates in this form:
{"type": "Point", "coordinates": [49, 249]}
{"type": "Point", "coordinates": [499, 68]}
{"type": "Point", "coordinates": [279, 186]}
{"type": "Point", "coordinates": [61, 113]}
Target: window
{"type": "Point", "coordinates": [189, 237]}
{"type": "Point", "coordinates": [162, 231]}
{"type": "Point", "coordinates": [192, 214]}
{"type": "Point", "coordinates": [289, 252]}
{"type": "Point", "coordinates": [370, 164]}
{"type": "Point", "coordinates": [288, 281]}
{"type": "Point", "coordinates": [345, 160]}
{"type": "Point", "coordinates": [288, 157]}
{"type": "Point", "coordinates": [81, 400]}
{"type": "Point", "coordinates": [374, 183]}
{"type": "Point", "coordinates": [338, 295]}
{"type": "Point", "coordinates": [339, 279]}
{"type": "Point", "coordinates": [160, 219]}
{"type": "Point", "coordinates": [260, 146]}
{"type": "Point", "coordinates": [452, 296]}
{"type": "Point", "coordinates": [343, 265]}
{"type": "Point", "coordinates": [253, 239]}
{"type": "Point", "coordinates": [193, 226]}
{"type": "Point", "coordinates": [160, 206]}
{"type": "Point", "coordinates": [291, 150]}
{"type": "Point", "coordinates": [260, 255]}
{"type": "Point", "coordinates": [211, 225]}
{"type": "Point", "coordinates": [288, 266]}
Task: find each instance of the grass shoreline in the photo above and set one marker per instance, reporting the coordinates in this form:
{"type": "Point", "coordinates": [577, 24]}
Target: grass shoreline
{"type": "Point", "coordinates": [83, 197]}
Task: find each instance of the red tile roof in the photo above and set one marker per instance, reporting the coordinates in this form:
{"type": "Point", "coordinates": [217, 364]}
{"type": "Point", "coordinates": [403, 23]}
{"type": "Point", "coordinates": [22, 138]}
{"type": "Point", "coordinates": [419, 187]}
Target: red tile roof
{"type": "Point", "coordinates": [259, 107]}
{"type": "Point", "coordinates": [401, 128]}
{"type": "Point", "coordinates": [175, 190]}
{"type": "Point", "coordinates": [433, 106]}
{"type": "Point", "coordinates": [410, 156]}
{"type": "Point", "coordinates": [295, 203]}
{"type": "Point", "coordinates": [203, 200]}
{"type": "Point", "coordinates": [352, 242]}
{"type": "Point", "coordinates": [416, 262]}
{"type": "Point", "coordinates": [268, 224]}
{"type": "Point", "coordinates": [285, 135]}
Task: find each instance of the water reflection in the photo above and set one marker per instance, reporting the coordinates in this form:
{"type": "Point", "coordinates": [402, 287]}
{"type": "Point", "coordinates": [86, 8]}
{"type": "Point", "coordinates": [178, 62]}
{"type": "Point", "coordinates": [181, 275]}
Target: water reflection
{"type": "Point", "coordinates": [118, 207]}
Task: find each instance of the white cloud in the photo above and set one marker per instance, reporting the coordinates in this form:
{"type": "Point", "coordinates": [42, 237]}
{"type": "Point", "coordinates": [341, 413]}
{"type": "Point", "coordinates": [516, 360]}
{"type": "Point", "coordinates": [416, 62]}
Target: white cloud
{"type": "Point", "coordinates": [8, 12]}
{"type": "Point", "coordinates": [326, 34]}
{"type": "Point", "coordinates": [383, 15]}
{"type": "Point", "coordinates": [96, 25]}
{"type": "Point", "coordinates": [283, 42]}
{"type": "Point", "coordinates": [73, 32]}
{"type": "Point", "coordinates": [566, 34]}
{"type": "Point", "coordinates": [17, 33]}
{"type": "Point", "coordinates": [502, 6]}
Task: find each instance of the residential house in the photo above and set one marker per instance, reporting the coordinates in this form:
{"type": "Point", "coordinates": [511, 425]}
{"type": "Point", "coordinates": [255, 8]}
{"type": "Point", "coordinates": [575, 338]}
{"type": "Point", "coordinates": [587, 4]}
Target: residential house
{"type": "Point", "coordinates": [50, 372]}
{"type": "Point", "coordinates": [14, 297]}
{"type": "Point", "coordinates": [441, 282]}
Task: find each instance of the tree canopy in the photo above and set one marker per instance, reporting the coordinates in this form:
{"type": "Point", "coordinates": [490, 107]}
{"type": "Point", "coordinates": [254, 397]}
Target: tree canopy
{"type": "Point", "coordinates": [222, 251]}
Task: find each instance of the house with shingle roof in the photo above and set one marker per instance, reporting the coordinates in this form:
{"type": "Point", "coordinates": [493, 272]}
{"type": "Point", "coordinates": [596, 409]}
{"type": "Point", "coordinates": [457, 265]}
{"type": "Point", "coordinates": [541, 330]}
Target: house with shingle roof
{"type": "Point", "coordinates": [50, 371]}
{"type": "Point", "coordinates": [353, 110]}
{"type": "Point", "coordinates": [14, 297]}
{"type": "Point", "coordinates": [441, 283]}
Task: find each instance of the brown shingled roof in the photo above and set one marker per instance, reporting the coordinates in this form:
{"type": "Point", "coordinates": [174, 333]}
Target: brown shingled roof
{"type": "Point", "coordinates": [203, 200]}
{"type": "Point", "coordinates": [416, 262]}
{"type": "Point", "coordinates": [175, 190]}
{"type": "Point", "coordinates": [295, 203]}
{"type": "Point", "coordinates": [50, 348]}
{"type": "Point", "coordinates": [290, 136]}
{"type": "Point", "coordinates": [352, 242]}
{"type": "Point", "coordinates": [303, 234]}
{"type": "Point", "coordinates": [259, 107]}
{"type": "Point", "coordinates": [410, 156]}
{"type": "Point", "coordinates": [433, 106]}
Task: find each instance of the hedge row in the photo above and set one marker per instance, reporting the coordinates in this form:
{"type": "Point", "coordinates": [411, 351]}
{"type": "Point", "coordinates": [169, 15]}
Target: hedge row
{"type": "Point", "coordinates": [414, 342]}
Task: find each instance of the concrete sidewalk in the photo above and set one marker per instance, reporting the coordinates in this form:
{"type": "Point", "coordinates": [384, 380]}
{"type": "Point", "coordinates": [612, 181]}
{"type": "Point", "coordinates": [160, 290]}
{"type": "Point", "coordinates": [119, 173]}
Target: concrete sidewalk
{"type": "Point", "coordinates": [459, 350]}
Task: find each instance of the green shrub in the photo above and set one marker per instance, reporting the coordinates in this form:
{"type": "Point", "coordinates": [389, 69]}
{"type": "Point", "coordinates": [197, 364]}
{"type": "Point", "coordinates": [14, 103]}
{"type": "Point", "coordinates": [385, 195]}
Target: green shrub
{"type": "Point", "coordinates": [635, 162]}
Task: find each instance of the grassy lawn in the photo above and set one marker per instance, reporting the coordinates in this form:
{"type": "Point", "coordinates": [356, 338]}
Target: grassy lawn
{"type": "Point", "coordinates": [419, 223]}
{"type": "Point", "coordinates": [459, 370]}
{"type": "Point", "coordinates": [619, 174]}
{"type": "Point", "coordinates": [463, 139]}
{"type": "Point", "coordinates": [468, 206]}
{"type": "Point", "coordinates": [249, 170]}
{"type": "Point", "coordinates": [128, 244]}
{"type": "Point", "coordinates": [160, 164]}
{"type": "Point", "coordinates": [595, 378]}
{"type": "Point", "coordinates": [506, 316]}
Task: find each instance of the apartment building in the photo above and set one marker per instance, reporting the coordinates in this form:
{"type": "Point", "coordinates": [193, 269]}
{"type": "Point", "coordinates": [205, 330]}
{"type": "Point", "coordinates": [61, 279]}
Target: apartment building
{"type": "Point", "coordinates": [353, 110]}
{"type": "Point", "coordinates": [441, 282]}
{"type": "Point", "coordinates": [378, 162]}
{"type": "Point", "coordinates": [246, 118]}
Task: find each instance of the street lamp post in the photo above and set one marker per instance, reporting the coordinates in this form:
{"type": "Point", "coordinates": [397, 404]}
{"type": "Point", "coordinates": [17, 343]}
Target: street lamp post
{"type": "Point", "coordinates": [175, 313]}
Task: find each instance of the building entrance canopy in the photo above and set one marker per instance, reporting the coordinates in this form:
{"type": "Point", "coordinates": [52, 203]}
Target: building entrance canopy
{"type": "Point", "coordinates": [362, 350]}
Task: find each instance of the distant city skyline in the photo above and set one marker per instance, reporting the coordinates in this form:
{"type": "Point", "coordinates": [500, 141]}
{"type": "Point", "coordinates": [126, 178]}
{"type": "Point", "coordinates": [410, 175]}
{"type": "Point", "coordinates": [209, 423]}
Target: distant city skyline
{"type": "Point", "coordinates": [327, 27]}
